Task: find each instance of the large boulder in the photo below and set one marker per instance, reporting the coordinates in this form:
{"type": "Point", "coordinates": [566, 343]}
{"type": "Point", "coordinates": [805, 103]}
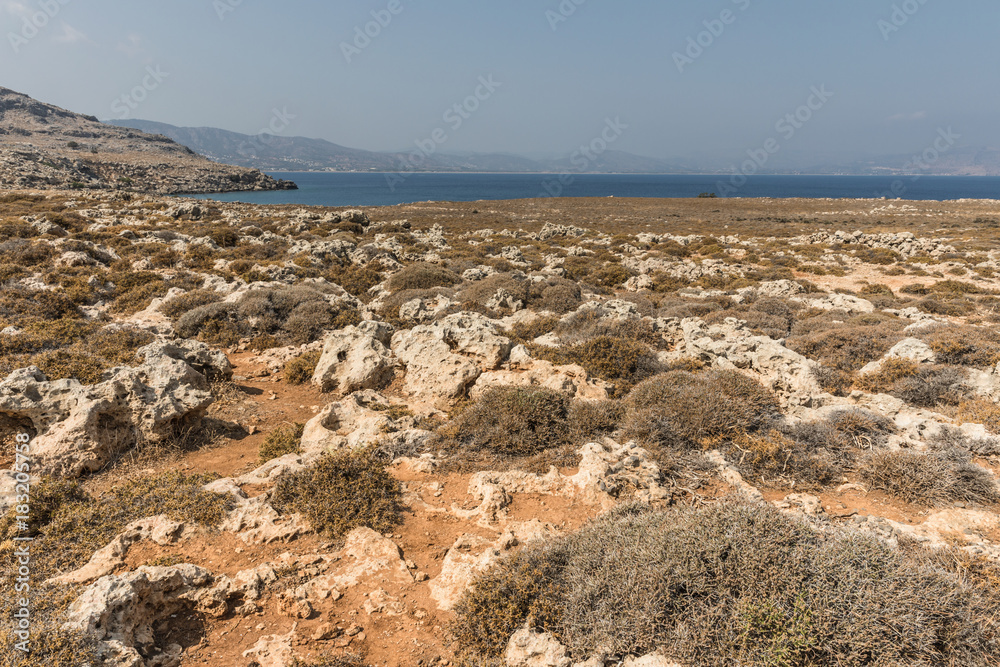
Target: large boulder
{"type": "Point", "coordinates": [731, 344]}
{"type": "Point", "coordinates": [445, 358]}
{"type": "Point", "coordinates": [356, 358]}
{"type": "Point", "coordinates": [119, 612]}
{"type": "Point", "coordinates": [78, 428]}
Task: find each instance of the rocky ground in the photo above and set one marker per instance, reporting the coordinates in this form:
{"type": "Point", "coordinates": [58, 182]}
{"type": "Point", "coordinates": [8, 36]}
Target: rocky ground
{"type": "Point", "coordinates": [285, 436]}
{"type": "Point", "coordinates": [43, 146]}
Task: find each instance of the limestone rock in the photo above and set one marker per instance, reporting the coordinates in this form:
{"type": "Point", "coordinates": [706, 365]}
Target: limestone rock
{"type": "Point", "coordinates": [159, 529]}
{"type": "Point", "coordinates": [79, 427]}
{"type": "Point", "coordinates": [530, 648]}
{"type": "Point", "coordinates": [356, 358]}
{"type": "Point", "coordinates": [913, 349]}
{"type": "Point", "coordinates": [444, 359]}
{"type": "Point", "coordinates": [346, 423]}
{"type": "Point", "coordinates": [846, 302]}
{"type": "Point", "coordinates": [272, 650]}
{"type": "Point", "coordinates": [731, 345]}
{"type": "Point", "coordinates": [119, 613]}
{"type": "Point", "coordinates": [523, 371]}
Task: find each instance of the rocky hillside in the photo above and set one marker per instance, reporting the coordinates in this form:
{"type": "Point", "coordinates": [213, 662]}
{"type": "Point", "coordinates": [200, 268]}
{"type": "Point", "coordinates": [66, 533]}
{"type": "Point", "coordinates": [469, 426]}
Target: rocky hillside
{"type": "Point", "coordinates": [549, 433]}
{"type": "Point", "coordinates": [43, 146]}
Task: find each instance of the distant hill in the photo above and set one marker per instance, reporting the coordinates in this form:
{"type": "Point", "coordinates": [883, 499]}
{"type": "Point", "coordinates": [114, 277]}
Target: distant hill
{"type": "Point", "coordinates": [43, 146]}
{"type": "Point", "coordinates": [278, 153]}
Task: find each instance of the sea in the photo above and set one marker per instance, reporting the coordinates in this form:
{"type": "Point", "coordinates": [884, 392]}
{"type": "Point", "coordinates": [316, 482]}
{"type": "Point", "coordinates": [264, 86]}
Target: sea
{"type": "Point", "coordinates": [340, 189]}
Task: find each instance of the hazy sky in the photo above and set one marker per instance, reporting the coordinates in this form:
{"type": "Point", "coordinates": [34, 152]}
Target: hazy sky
{"type": "Point", "coordinates": [563, 69]}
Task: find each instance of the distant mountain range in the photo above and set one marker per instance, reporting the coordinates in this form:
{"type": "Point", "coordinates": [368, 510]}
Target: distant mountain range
{"type": "Point", "coordinates": [280, 153]}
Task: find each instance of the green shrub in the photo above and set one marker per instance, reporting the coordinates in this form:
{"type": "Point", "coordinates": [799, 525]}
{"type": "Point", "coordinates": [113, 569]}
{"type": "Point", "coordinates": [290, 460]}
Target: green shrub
{"type": "Point", "coordinates": [340, 492]}
{"type": "Point", "coordinates": [281, 441]}
{"type": "Point", "coordinates": [687, 410]}
{"type": "Point", "coordinates": [731, 584]}
{"type": "Point", "coordinates": [300, 369]}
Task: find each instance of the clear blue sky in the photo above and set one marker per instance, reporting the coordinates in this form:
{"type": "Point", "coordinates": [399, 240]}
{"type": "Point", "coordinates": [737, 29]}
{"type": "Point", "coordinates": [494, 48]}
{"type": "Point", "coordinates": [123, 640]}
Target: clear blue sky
{"type": "Point", "coordinates": [891, 90]}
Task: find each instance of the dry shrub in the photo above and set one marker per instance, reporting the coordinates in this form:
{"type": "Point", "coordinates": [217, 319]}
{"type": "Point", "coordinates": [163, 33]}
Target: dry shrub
{"type": "Point", "coordinates": [861, 429]}
{"type": "Point", "coordinates": [891, 371]}
{"type": "Point", "coordinates": [592, 420]}
{"type": "Point", "coordinates": [688, 410]}
{"type": "Point", "coordinates": [930, 479]}
{"type": "Point", "coordinates": [527, 331]}
{"type": "Point", "coordinates": [606, 357]}
{"type": "Point", "coordinates": [135, 290]}
{"type": "Point", "coordinates": [301, 369]}
{"type": "Point", "coordinates": [281, 441]}
{"type": "Point", "coordinates": [966, 346]}
{"type": "Point", "coordinates": [345, 660]}
{"type": "Point", "coordinates": [590, 324]}
{"type": "Point", "coordinates": [72, 525]}
{"type": "Point", "coordinates": [730, 584]}
{"type": "Point", "coordinates": [980, 411]}
{"type": "Point", "coordinates": [833, 380]}
{"type": "Point", "coordinates": [765, 317]}
{"type": "Point", "coordinates": [89, 357]}
{"type": "Point", "coordinates": [179, 305]}
{"type": "Point", "coordinates": [611, 275]}
{"type": "Point", "coordinates": [510, 422]}
{"type": "Point", "coordinates": [924, 386]}
{"type": "Point", "coordinates": [295, 314]}
{"type": "Point", "coordinates": [558, 296]}
{"type": "Point", "coordinates": [774, 457]}
{"type": "Point", "coordinates": [357, 280]}
{"type": "Point", "coordinates": [422, 276]}
{"type": "Point", "coordinates": [849, 346]}
{"type": "Point", "coordinates": [340, 492]}
{"type": "Point", "coordinates": [17, 304]}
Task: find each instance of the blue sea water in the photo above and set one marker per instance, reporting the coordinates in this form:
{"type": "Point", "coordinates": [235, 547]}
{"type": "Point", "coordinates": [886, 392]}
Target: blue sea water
{"type": "Point", "coordinates": [377, 189]}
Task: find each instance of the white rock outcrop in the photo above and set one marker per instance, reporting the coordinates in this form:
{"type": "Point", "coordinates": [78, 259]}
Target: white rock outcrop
{"type": "Point", "coordinates": [80, 427]}
{"type": "Point", "coordinates": [356, 358]}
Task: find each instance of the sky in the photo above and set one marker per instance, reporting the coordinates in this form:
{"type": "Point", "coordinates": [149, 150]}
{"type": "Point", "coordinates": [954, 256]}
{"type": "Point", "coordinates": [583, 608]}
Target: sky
{"type": "Point", "coordinates": [702, 81]}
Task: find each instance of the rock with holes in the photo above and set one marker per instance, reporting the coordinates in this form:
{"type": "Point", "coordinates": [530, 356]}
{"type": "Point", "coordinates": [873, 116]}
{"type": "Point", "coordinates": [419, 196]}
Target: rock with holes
{"type": "Point", "coordinates": [356, 358]}
{"type": "Point", "coordinates": [531, 648]}
{"type": "Point", "coordinates": [524, 371]}
{"type": "Point", "coordinates": [78, 427]}
{"type": "Point", "coordinates": [445, 358]}
{"type": "Point", "coordinates": [121, 614]}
